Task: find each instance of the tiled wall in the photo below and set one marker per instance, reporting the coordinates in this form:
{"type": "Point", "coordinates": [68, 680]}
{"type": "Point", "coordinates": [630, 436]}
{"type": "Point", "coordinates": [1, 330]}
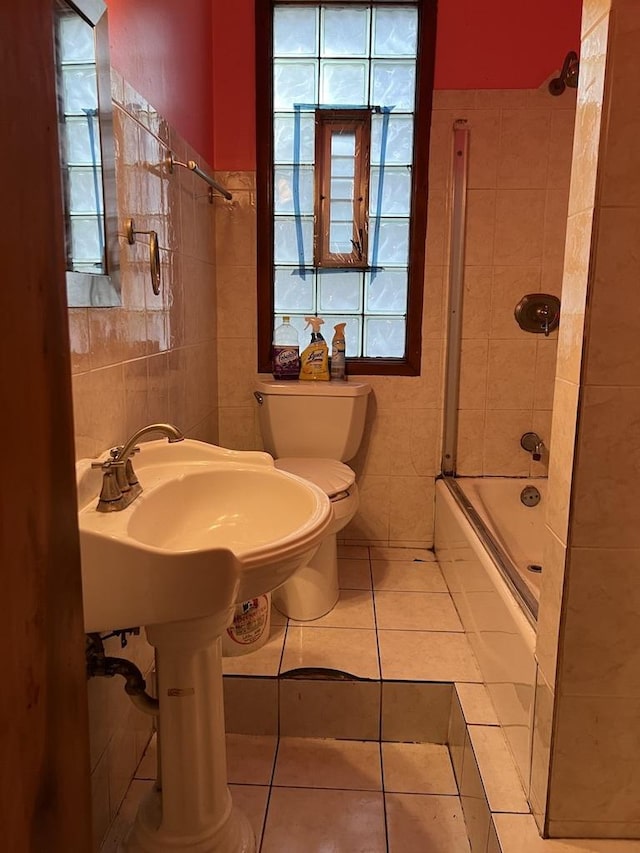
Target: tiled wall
{"type": "Point", "coordinates": [519, 174]}
{"type": "Point", "coordinates": [153, 359]}
{"type": "Point", "coordinates": [589, 684]}
{"type": "Point", "coordinates": [519, 170]}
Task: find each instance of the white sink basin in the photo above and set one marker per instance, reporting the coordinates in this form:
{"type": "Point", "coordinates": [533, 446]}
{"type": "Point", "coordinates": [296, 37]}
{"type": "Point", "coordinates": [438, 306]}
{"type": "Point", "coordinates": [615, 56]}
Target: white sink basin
{"type": "Point", "coordinates": [212, 528]}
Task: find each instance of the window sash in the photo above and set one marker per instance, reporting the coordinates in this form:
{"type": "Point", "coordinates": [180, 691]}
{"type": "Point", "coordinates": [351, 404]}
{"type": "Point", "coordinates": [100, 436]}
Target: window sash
{"type": "Point", "coordinates": [329, 125]}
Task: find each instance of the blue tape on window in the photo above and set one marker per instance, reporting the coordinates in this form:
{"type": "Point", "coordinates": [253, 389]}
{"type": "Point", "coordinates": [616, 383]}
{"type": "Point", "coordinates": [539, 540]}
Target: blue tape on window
{"type": "Point", "coordinates": [296, 188]}
{"type": "Point", "coordinates": [384, 134]}
{"type": "Point", "coordinates": [91, 114]}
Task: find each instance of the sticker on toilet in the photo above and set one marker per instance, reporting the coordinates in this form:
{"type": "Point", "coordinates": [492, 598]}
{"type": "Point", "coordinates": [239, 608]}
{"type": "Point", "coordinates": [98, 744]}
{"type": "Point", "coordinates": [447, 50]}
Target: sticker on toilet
{"type": "Point", "coordinates": [250, 621]}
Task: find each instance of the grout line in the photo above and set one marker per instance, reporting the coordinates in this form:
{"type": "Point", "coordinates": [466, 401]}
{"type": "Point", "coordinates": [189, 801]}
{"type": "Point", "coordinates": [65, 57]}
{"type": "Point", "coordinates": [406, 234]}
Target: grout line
{"type": "Point", "coordinates": [271, 785]}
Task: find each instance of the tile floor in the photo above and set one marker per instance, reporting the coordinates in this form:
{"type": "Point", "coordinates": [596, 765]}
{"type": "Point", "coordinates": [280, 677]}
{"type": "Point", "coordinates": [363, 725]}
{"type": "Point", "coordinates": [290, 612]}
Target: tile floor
{"type": "Point", "coordinates": [395, 620]}
{"type": "Point", "coordinates": [304, 795]}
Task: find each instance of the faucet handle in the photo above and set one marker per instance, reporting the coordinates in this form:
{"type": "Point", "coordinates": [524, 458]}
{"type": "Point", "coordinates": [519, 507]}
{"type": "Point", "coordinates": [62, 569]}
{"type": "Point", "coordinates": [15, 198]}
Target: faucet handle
{"type": "Point", "coordinates": [115, 452]}
{"type": "Point", "coordinates": [108, 464]}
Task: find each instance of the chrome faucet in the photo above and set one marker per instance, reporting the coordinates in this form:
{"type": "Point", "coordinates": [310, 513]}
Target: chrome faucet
{"type": "Point", "coordinates": [533, 444]}
{"type": "Point", "coordinates": [120, 486]}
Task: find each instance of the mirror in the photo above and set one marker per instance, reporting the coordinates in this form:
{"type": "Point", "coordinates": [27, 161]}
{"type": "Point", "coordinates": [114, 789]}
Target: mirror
{"type": "Point", "coordinates": [87, 152]}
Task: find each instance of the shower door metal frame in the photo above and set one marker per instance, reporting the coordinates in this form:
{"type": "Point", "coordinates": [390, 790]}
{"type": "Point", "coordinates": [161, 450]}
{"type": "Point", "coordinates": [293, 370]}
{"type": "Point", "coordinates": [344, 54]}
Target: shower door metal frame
{"type": "Point", "coordinates": [460, 170]}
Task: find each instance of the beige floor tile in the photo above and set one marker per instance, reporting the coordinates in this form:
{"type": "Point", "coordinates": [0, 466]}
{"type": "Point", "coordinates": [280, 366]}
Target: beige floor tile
{"type": "Point", "coordinates": [264, 661]}
{"type": "Point", "coordinates": [126, 815]}
{"type": "Point", "coordinates": [354, 609]}
{"type": "Point", "coordinates": [518, 833]}
{"type": "Point", "coordinates": [498, 770]}
{"type": "Point", "coordinates": [354, 574]}
{"type": "Point", "coordinates": [410, 576]}
{"type": "Point", "coordinates": [250, 758]}
{"type": "Point", "coordinates": [418, 768]}
{"type": "Point", "coordinates": [325, 763]}
{"type": "Point", "coordinates": [148, 767]}
{"type": "Point", "coordinates": [476, 704]}
{"type": "Point", "coordinates": [250, 705]}
{"type": "Point", "coordinates": [352, 650]}
{"type": "Point", "coordinates": [353, 552]}
{"type": "Point", "coordinates": [416, 611]}
{"type": "Point", "coordinates": [401, 554]}
{"type": "Point", "coordinates": [419, 823]}
{"type": "Point", "coordinates": [252, 800]}
{"type": "Point", "coordinates": [300, 820]}
{"type": "Point", "coordinates": [427, 656]}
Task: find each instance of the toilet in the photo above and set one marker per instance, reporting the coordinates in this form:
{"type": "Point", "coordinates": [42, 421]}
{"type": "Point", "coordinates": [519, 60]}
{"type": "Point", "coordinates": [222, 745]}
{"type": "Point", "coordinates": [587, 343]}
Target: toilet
{"type": "Point", "coordinates": [311, 429]}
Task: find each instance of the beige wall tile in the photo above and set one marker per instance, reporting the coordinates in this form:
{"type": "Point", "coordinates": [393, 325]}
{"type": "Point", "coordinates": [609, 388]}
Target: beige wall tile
{"type": "Point", "coordinates": [474, 803]}
{"type": "Point", "coordinates": [601, 639]}
{"type": "Point", "coordinates": [561, 454]}
{"type": "Point", "coordinates": [588, 118]}
{"type": "Point", "coordinates": [251, 705]}
{"type": "Point", "coordinates": [498, 770]}
{"type": "Point", "coordinates": [610, 728]}
{"type": "Point", "coordinates": [509, 285]}
{"type": "Point", "coordinates": [519, 227]}
{"type": "Point", "coordinates": [372, 520]}
{"type": "Point", "coordinates": [411, 509]}
{"type": "Point", "coordinates": [502, 453]}
{"type": "Point", "coordinates": [546, 351]}
{"type": "Point", "coordinates": [592, 12]}
{"type": "Point", "coordinates": [433, 308]}
{"type": "Point", "coordinates": [603, 515]}
{"type": "Point", "coordinates": [509, 360]}
{"type": "Point", "coordinates": [476, 304]}
{"type": "Point", "coordinates": [476, 704]}
{"type": "Point", "coordinates": [474, 359]}
{"type": "Point", "coordinates": [437, 228]}
{"type": "Point", "coordinates": [471, 431]}
{"type": "Point", "coordinates": [79, 339]}
{"type": "Point", "coordinates": [555, 224]}
{"type": "Point", "coordinates": [481, 225]}
{"type": "Point", "coordinates": [415, 711]}
{"type": "Point", "coordinates": [331, 709]}
{"type": "Point", "coordinates": [549, 615]}
{"type": "Point", "coordinates": [561, 147]}
{"type": "Point", "coordinates": [541, 748]}
{"type": "Point", "coordinates": [613, 350]}
{"type": "Point", "coordinates": [524, 148]}
{"type": "Point", "coordinates": [484, 148]}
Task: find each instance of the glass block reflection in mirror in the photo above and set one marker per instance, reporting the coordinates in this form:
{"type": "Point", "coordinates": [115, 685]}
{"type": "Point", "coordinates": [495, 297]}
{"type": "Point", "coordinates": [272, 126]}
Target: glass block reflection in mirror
{"type": "Point", "coordinates": [295, 31]}
{"type": "Point", "coordinates": [345, 31]}
{"type": "Point", "coordinates": [395, 32]}
{"type": "Point", "coordinates": [344, 83]}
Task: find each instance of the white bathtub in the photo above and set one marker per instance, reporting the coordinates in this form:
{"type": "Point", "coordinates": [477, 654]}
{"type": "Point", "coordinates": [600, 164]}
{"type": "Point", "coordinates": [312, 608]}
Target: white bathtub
{"type": "Point", "coordinates": [500, 631]}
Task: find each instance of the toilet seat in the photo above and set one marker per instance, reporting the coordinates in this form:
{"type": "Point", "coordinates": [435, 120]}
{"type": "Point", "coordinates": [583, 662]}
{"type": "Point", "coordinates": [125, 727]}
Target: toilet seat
{"type": "Point", "coordinates": [334, 478]}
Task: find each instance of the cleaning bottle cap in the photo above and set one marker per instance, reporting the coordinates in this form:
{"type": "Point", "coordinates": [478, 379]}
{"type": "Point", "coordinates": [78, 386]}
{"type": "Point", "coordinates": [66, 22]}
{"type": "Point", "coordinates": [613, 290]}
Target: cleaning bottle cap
{"type": "Point", "coordinates": [314, 322]}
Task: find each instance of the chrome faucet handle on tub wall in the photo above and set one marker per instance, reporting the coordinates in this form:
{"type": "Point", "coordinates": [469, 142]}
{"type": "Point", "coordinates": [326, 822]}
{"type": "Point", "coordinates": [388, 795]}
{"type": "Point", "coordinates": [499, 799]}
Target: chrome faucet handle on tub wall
{"type": "Point", "coordinates": [533, 444]}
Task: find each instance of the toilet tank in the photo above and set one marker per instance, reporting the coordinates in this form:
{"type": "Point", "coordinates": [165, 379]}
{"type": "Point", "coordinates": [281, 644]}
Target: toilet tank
{"type": "Point", "coordinates": [312, 419]}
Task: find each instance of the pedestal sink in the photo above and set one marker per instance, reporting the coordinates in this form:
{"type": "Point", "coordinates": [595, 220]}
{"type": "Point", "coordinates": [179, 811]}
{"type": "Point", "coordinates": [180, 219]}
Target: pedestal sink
{"type": "Point", "coordinates": [212, 528]}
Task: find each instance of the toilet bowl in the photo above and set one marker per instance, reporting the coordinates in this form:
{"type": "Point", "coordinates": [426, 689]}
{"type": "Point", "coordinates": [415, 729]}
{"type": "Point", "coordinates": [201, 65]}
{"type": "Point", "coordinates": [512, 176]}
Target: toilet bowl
{"type": "Point", "coordinates": [311, 429]}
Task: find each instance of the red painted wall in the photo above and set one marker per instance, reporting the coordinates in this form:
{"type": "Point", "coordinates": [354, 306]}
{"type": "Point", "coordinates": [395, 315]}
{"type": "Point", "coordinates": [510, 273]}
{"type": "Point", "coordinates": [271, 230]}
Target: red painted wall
{"type": "Point", "coordinates": [163, 49]}
{"type": "Point", "coordinates": [194, 59]}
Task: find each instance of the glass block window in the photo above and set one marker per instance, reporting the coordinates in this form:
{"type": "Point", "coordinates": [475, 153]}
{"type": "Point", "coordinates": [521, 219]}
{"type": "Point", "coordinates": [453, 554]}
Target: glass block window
{"type": "Point", "coordinates": [344, 203]}
{"type": "Point", "coordinates": [80, 142]}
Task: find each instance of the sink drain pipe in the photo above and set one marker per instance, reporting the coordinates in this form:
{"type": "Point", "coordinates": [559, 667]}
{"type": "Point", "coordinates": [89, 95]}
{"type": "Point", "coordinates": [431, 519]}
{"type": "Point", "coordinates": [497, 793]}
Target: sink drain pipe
{"type": "Point", "coordinates": [99, 665]}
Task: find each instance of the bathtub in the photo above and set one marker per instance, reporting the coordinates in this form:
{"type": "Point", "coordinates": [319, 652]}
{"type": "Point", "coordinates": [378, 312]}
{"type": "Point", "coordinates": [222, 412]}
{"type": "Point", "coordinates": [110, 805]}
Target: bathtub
{"type": "Point", "coordinates": [484, 540]}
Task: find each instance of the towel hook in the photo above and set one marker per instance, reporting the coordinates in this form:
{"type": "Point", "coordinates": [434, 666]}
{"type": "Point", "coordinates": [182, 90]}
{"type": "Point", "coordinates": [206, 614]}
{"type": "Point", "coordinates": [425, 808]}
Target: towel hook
{"type": "Point", "coordinates": [154, 252]}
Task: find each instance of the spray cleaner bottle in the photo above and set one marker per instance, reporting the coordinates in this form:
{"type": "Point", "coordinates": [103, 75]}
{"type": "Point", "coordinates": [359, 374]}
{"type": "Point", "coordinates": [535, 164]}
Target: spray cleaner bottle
{"type": "Point", "coordinates": [338, 361]}
{"type": "Point", "coordinates": [314, 360]}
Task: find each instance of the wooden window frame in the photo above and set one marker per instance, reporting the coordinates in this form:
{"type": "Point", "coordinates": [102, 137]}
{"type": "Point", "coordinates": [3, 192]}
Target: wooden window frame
{"type": "Point", "coordinates": [327, 122]}
{"type": "Point", "coordinates": [410, 364]}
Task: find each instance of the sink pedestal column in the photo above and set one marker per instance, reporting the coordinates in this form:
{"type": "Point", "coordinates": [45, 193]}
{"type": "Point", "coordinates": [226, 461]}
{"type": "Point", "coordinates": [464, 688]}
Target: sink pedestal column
{"type": "Point", "coordinates": [191, 809]}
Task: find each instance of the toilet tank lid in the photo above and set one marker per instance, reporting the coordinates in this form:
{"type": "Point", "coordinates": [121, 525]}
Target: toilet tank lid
{"type": "Point", "coordinates": [308, 388]}
{"type": "Point", "coordinates": [330, 475]}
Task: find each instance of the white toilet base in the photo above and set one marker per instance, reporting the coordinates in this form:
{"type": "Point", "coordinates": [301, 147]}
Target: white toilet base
{"type": "Point", "coordinates": [313, 591]}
